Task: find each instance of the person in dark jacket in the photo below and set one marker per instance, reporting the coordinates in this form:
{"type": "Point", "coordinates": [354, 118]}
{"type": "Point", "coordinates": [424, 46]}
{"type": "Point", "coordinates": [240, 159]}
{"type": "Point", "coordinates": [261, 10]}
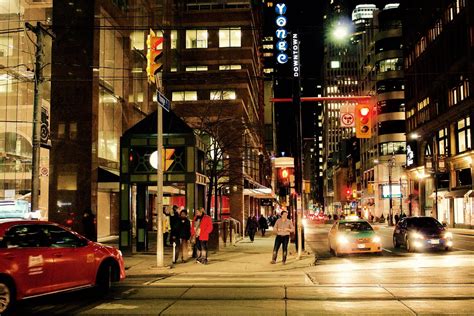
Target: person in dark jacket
{"type": "Point", "coordinates": [252, 227]}
{"type": "Point", "coordinates": [174, 218]}
{"type": "Point", "coordinates": [89, 225]}
{"type": "Point", "coordinates": [262, 224]}
{"type": "Point", "coordinates": [183, 234]}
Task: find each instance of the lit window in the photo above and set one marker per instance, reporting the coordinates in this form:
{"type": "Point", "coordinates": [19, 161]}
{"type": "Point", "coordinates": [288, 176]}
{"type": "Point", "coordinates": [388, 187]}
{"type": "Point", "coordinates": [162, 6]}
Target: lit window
{"type": "Point", "coordinates": [6, 46]}
{"type": "Point", "coordinates": [230, 37]}
{"type": "Point", "coordinates": [463, 135]}
{"type": "Point", "coordinates": [196, 68]}
{"type": "Point", "coordinates": [230, 67]}
{"type": "Point", "coordinates": [184, 96]}
{"type": "Point", "coordinates": [223, 95]}
{"type": "Point", "coordinates": [174, 39]}
{"type": "Point", "coordinates": [173, 69]}
{"type": "Point", "coordinates": [137, 39]}
{"type": "Point", "coordinates": [196, 38]}
{"type": "Point", "coordinates": [335, 64]}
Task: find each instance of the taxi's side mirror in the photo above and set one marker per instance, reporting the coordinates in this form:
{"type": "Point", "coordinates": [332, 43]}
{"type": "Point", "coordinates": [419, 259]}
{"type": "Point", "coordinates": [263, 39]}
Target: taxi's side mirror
{"type": "Point", "coordinates": [445, 225]}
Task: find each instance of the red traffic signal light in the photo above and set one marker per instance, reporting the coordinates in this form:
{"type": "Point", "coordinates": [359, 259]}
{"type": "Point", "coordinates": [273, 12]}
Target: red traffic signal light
{"type": "Point", "coordinates": [348, 191]}
{"type": "Point", "coordinates": [153, 56]}
{"type": "Point", "coordinates": [363, 117]}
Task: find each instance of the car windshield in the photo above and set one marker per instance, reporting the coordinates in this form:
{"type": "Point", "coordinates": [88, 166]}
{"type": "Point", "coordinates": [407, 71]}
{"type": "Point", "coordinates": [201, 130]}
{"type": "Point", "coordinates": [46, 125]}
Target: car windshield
{"type": "Point", "coordinates": [424, 222]}
{"type": "Point", "coordinates": [354, 226]}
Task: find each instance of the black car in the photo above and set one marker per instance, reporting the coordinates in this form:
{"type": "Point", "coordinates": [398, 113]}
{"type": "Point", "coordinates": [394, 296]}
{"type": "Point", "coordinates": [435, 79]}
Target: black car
{"type": "Point", "coordinates": [419, 233]}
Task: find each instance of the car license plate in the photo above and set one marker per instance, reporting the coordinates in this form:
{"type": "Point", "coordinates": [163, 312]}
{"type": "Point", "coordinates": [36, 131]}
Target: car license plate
{"type": "Point", "coordinates": [361, 246]}
{"type": "Point", "coordinates": [435, 241]}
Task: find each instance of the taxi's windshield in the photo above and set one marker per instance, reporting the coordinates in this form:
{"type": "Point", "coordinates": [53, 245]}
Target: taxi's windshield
{"type": "Point", "coordinates": [354, 226]}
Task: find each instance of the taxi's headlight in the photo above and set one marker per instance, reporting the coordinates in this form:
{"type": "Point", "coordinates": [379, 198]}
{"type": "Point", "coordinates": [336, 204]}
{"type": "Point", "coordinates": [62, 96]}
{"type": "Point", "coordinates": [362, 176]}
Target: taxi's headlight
{"type": "Point", "coordinates": [448, 235]}
{"type": "Point", "coordinates": [376, 239]}
{"type": "Point", "coordinates": [417, 236]}
{"type": "Point", "coordinates": [342, 239]}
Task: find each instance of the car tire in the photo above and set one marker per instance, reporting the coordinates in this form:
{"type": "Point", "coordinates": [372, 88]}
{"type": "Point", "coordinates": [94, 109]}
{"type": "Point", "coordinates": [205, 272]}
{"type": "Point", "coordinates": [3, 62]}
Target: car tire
{"type": "Point", "coordinates": [396, 244]}
{"type": "Point", "coordinates": [7, 297]}
{"type": "Point", "coordinates": [448, 248]}
{"type": "Point", "coordinates": [104, 279]}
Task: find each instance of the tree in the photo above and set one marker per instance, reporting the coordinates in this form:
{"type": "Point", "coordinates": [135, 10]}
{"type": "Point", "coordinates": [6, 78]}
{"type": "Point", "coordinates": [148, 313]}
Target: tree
{"type": "Point", "coordinates": [229, 140]}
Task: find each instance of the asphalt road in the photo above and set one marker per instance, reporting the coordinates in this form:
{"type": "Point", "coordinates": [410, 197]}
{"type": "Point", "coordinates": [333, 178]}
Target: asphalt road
{"type": "Point", "coordinates": [397, 283]}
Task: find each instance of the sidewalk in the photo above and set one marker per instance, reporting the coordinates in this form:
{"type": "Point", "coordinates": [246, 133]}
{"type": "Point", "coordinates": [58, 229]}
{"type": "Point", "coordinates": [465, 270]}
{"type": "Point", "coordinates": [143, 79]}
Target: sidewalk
{"type": "Point", "coordinates": [244, 256]}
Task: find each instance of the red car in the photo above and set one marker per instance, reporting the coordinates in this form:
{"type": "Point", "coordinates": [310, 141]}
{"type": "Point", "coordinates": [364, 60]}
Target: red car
{"type": "Point", "coordinates": [38, 258]}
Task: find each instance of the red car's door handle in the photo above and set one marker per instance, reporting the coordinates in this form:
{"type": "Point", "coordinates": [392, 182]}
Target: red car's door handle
{"type": "Point", "coordinates": [58, 255]}
{"type": "Point", "coordinates": [9, 256]}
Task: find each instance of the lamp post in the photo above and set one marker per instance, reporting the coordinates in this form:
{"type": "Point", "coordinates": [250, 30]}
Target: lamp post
{"type": "Point", "coordinates": [391, 164]}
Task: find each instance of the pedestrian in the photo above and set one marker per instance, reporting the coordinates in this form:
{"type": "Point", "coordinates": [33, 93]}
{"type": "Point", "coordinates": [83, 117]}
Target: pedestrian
{"type": "Point", "coordinates": [89, 225]}
{"type": "Point", "coordinates": [252, 227]}
{"type": "Point", "coordinates": [174, 218]}
{"type": "Point", "coordinates": [283, 228]}
{"type": "Point", "coordinates": [396, 218]}
{"type": "Point", "coordinates": [200, 229]}
{"type": "Point", "coordinates": [166, 226]}
{"type": "Point", "coordinates": [183, 230]}
{"type": "Point", "coordinates": [263, 224]}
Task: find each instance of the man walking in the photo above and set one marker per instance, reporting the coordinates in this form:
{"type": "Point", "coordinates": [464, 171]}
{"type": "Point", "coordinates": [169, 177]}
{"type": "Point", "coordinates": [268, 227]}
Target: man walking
{"type": "Point", "coordinates": [201, 228]}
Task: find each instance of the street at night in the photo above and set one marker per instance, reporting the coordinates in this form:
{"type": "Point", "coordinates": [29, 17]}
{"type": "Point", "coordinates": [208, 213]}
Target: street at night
{"type": "Point", "coordinates": [147, 146]}
{"type": "Point", "coordinates": [241, 281]}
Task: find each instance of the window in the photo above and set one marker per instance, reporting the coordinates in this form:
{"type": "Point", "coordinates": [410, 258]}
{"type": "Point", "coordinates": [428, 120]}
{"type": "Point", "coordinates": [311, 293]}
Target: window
{"type": "Point", "coordinates": [230, 37]}
{"type": "Point", "coordinates": [459, 93]}
{"type": "Point", "coordinates": [196, 38]}
{"type": "Point", "coordinates": [335, 64]}
{"type": "Point", "coordinates": [390, 64]}
{"type": "Point", "coordinates": [184, 96]}
{"type": "Point", "coordinates": [230, 67]}
{"type": "Point", "coordinates": [60, 238]}
{"type": "Point", "coordinates": [386, 149]}
{"type": "Point", "coordinates": [6, 46]}
{"type": "Point", "coordinates": [463, 128]}
{"type": "Point", "coordinates": [196, 68]}
{"type": "Point", "coordinates": [25, 236]}
{"type": "Point", "coordinates": [443, 148]}
{"type": "Point", "coordinates": [223, 95]}
{"type": "Point", "coordinates": [174, 39]}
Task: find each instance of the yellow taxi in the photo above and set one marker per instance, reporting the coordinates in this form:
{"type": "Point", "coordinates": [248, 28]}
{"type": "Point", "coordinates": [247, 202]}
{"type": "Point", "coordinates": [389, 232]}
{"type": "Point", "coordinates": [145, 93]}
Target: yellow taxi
{"type": "Point", "coordinates": [353, 235]}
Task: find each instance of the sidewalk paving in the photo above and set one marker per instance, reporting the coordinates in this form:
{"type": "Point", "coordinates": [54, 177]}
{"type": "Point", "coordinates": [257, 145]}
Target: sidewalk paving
{"type": "Point", "coordinates": [244, 256]}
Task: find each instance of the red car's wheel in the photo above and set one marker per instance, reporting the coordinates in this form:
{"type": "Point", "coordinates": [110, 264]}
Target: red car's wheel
{"type": "Point", "coordinates": [6, 296]}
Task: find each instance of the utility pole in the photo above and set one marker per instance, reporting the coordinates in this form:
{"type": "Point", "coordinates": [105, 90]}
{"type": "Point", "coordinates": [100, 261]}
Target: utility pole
{"type": "Point", "coordinates": [39, 31]}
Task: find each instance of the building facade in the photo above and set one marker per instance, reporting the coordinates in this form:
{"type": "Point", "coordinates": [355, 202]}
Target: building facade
{"type": "Point", "coordinates": [439, 109]}
{"type": "Point", "coordinates": [339, 79]}
{"type": "Point", "coordinates": [213, 76]}
{"type": "Point", "coordinates": [383, 181]}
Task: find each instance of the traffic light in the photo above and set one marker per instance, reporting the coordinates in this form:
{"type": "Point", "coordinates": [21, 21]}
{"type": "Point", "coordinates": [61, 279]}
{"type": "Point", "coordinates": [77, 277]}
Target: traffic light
{"type": "Point", "coordinates": [349, 192]}
{"type": "Point", "coordinates": [284, 174]}
{"type": "Point", "coordinates": [363, 120]}
{"type": "Point", "coordinates": [153, 56]}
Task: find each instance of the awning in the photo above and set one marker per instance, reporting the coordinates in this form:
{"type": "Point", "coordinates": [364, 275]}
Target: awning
{"type": "Point", "coordinates": [108, 175]}
{"type": "Point", "coordinates": [456, 193]}
{"type": "Point", "coordinates": [261, 193]}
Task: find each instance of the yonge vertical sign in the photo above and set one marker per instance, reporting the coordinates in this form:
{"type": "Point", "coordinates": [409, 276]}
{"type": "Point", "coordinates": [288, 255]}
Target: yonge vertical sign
{"type": "Point", "coordinates": [281, 33]}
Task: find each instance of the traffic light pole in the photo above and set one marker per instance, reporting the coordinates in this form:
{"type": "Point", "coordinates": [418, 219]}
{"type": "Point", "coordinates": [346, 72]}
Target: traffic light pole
{"type": "Point", "coordinates": [39, 31]}
{"type": "Point", "coordinates": [299, 141]}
